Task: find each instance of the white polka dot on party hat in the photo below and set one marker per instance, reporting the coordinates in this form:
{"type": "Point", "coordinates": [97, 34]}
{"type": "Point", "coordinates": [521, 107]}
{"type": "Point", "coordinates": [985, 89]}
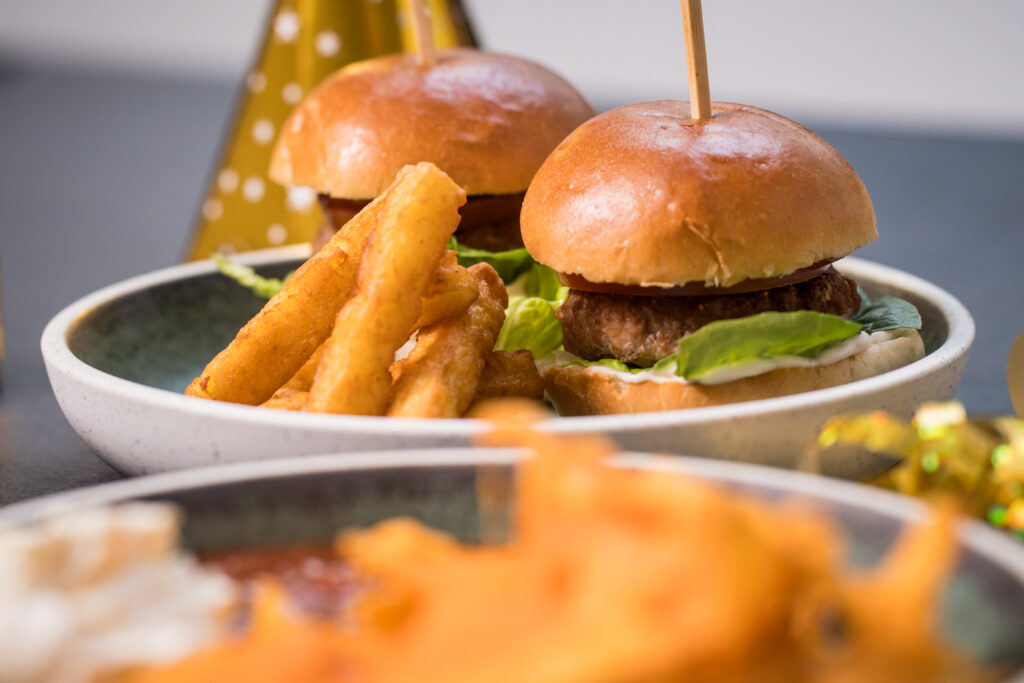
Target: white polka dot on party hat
{"type": "Point", "coordinates": [300, 198]}
{"type": "Point", "coordinates": [256, 82]}
{"type": "Point", "coordinates": [212, 209]}
{"type": "Point", "coordinates": [226, 248]}
{"type": "Point", "coordinates": [253, 188]}
{"type": "Point", "coordinates": [263, 131]}
{"type": "Point", "coordinates": [327, 43]}
{"type": "Point", "coordinates": [286, 26]}
{"type": "Point", "coordinates": [227, 180]}
{"type": "Point", "coordinates": [276, 234]}
{"type": "Point", "coordinates": [291, 93]}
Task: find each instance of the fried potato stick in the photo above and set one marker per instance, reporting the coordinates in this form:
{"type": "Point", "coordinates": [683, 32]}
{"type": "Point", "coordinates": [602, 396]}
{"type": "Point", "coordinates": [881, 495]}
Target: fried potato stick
{"type": "Point", "coordinates": [450, 292]}
{"type": "Point", "coordinates": [440, 376]}
{"type": "Point", "coordinates": [287, 400]}
{"type": "Point", "coordinates": [418, 217]}
{"type": "Point", "coordinates": [509, 373]}
{"type": "Point", "coordinates": [272, 346]}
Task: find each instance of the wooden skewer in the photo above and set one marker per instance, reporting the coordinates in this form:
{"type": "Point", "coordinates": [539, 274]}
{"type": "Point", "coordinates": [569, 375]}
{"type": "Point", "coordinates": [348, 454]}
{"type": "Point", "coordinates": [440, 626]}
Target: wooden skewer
{"type": "Point", "coordinates": [696, 60]}
{"type": "Point", "coordinates": [424, 33]}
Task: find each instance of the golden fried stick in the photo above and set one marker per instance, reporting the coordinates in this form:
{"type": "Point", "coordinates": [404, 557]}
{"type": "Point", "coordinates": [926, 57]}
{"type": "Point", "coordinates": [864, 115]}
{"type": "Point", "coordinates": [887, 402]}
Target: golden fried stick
{"type": "Point", "coordinates": [282, 336]}
{"type": "Point", "coordinates": [450, 292]}
{"type": "Point", "coordinates": [440, 376]}
{"type": "Point", "coordinates": [287, 399]}
{"type": "Point", "coordinates": [509, 373]}
{"type": "Point", "coordinates": [419, 215]}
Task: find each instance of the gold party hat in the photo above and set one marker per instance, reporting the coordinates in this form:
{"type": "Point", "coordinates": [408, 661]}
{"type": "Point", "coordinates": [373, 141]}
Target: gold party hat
{"type": "Point", "coordinates": [305, 41]}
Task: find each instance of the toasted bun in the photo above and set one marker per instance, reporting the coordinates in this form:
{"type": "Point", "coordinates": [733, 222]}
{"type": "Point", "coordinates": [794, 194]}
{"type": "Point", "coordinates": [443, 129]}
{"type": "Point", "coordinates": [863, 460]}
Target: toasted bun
{"type": "Point", "coordinates": [487, 120]}
{"type": "Point", "coordinates": [646, 195]}
{"type": "Point", "coordinates": [577, 390]}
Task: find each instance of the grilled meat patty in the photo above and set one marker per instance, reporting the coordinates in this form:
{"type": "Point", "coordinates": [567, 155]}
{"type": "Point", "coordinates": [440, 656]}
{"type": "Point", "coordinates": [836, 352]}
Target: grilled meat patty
{"type": "Point", "coordinates": [642, 329]}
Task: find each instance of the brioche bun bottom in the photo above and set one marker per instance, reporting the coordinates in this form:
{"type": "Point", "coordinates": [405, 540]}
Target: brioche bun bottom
{"type": "Point", "coordinates": [579, 390]}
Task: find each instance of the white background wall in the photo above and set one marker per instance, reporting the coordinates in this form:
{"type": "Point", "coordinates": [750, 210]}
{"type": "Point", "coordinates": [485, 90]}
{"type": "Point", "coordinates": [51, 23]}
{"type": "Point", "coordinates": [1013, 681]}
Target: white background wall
{"type": "Point", "coordinates": [952, 65]}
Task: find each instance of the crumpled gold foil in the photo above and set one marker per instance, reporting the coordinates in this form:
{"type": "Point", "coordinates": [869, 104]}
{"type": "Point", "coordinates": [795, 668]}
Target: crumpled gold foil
{"type": "Point", "coordinates": [944, 450]}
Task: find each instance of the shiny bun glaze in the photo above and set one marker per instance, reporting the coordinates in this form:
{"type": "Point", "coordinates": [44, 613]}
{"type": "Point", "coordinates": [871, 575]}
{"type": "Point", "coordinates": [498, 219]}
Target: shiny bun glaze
{"type": "Point", "coordinates": [487, 120]}
{"type": "Point", "coordinates": [645, 195]}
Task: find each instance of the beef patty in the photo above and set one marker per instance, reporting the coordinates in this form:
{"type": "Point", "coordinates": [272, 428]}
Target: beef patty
{"type": "Point", "coordinates": [642, 329]}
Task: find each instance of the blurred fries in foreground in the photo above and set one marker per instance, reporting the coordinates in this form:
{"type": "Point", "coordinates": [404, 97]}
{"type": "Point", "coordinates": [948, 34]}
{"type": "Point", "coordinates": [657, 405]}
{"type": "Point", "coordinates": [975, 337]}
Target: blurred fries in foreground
{"type": "Point", "coordinates": [327, 341]}
{"type": "Point", "coordinates": [613, 575]}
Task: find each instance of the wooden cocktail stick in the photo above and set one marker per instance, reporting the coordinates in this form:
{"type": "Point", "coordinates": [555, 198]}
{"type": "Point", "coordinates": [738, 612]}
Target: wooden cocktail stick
{"type": "Point", "coordinates": [424, 33]}
{"type": "Point", "coordinates": [696, 60]}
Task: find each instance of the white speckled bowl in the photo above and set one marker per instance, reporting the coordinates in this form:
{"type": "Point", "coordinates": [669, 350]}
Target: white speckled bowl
{"type": "Point", "coordinates": [119, 359]}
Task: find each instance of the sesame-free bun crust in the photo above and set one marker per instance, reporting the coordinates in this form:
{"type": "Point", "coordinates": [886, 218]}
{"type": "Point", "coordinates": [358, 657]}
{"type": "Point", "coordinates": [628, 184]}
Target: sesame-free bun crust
{"type": "Point", "coordinates": [577, 390]}
{"type": "Point", "coordinates": [487, 120]}
{"type": "Point", "coordinates": [645, 195]}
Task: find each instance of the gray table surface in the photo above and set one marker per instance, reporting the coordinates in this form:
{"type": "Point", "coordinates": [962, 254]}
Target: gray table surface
{"type": "Point", "coordinates": [100, 175]}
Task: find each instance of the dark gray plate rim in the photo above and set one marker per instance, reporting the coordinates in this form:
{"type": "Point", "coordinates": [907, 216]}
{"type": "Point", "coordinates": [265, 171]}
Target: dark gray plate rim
{"type": "Point", "coordinates": [993, 544]}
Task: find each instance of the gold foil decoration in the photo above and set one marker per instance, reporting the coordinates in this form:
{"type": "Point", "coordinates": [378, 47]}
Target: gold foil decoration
{"type": "Point", "coordinates": [305, 41]}
{"type": "Point", "coordinates": [943, 450]}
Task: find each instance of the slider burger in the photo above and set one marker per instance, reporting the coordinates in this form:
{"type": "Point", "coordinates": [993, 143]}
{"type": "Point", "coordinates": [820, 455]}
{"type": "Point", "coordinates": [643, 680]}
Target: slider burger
{"type": "Point", "coordinates": [487, 120]}
{"type": "Point", "coordinates": [699, 260]}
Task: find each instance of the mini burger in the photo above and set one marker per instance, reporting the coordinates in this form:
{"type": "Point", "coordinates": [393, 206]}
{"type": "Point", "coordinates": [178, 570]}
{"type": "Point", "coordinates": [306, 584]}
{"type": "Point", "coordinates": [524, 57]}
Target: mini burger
{"type": "Point", "coordinates": [487, 120]}
{"type": "Point", "coordinates": [699, 261]}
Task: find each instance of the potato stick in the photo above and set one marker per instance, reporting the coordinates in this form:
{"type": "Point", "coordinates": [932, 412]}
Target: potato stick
{"type": "Point", "coordinates": [272, 346]}
{"type": "Point", "coordinates": [450, 292]}
{"type": "Point", "coordinates": [287, 400]}
{"type": "Point", "coordinates": [509, 374]}
{"type": "Point", "coordinates": [440, 376]}
{"type": "Point", "coordinates": [419, 214]}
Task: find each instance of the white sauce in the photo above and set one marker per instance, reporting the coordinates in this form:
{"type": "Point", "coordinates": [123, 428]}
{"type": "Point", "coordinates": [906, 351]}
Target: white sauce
{"type": "Point", "coordinates": [728, 373]}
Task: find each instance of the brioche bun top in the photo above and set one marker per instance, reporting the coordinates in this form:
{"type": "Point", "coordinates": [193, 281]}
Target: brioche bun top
{"type": "Point", "coordinates": [487, 120]}
{"type": "Point", "coordinates": [645, 195]}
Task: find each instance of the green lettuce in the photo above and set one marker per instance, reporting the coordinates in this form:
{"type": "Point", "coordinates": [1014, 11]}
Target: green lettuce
{"type": "Point", "coordinates": [509, 264]}
{"type": "Point", "coordinates": [765, 335]}
{"type": "Point", "coordinates": [886, 313]}
{"type": "Point", "coordinates": [265, 287]}
{"type": "Point", "coordinates": [530, 323]}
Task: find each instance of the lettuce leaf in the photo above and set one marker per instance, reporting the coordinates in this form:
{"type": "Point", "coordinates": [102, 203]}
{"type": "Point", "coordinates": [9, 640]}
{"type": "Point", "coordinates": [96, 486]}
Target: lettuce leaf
{"type": "Point", "coordinates": [542, 282]}
{"type": "Point", "coordinates": [800, 333]}
{"type": "Point", "coordinates": [509, 264]}
{"type": "Point", "coordinates": [265, 287]}
{"type": "Point", "coordinates": [887, 313]}
{"type": "Point", "coordinates": [530, 323]}
{"type": "Point", "coordinates": [730, 342]}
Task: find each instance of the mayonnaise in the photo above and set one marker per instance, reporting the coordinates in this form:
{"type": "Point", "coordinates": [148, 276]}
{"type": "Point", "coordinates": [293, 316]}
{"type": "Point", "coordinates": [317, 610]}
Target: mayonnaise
{"type": "Point", "coordinates": [728, 373]}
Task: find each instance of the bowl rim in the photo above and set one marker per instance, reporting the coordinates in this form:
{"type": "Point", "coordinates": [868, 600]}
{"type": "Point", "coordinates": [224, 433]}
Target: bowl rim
{"type": "Point", "coordinates": [990, 543]}
{"type": "Point", "coordinates": [58, 357]}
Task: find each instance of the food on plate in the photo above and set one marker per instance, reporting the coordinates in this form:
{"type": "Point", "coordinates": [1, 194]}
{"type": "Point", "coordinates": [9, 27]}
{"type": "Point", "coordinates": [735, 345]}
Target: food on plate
{"type": "Point", "coordinates": [91, 595]}
{"type": "Point", "coordinates": [509, 373]}
{"type": "Point", "coordinates": [450, 292]}
{"type": "Point", "coordinates": [394, 272]}
{"type": "Point", "coordinates": [608, 574]}
{"type": "Point", "coordinates": [402, 290]}
{"type": "Point", "coordinates": [487, 120]}
{"type": "Point", "coordinates": [698, 256]}
{"type": "Point", "coordinates": [439, 377]}
{"type": "Point", "coordinates": [297, 319]}
{"type": "Point", "coordinates": [943, 450]}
